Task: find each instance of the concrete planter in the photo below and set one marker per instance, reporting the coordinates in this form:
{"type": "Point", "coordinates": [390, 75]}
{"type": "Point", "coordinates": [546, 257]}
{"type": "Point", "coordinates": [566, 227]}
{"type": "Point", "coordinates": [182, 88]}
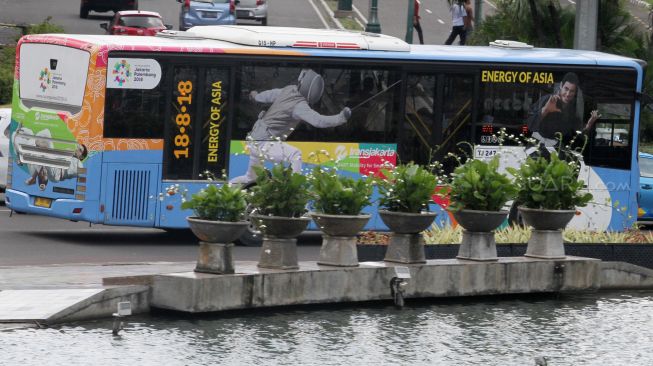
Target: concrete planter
{"type": "Point", "coordinates": [340, 225]}
{"type": "Point", "coordinates": [407, 222]}
{"type": "Point", "coordinates": [216, 231]}
{"type": "Point", "coordinates": [540, 219]}
{"type": "Point", "coordinates": [478, 235]}
{"type": "Point", "coordinates": [546, 238]}
{"type": "Point", "coordinates": [339, 238]}
{"type": "Point", "coordinates": [480, 221]}
{"type": "Point", "coordinates": [406, 244]}
{"type": "Point", "coordinates": [216, 250]}
{"type": "Point", "coordinates": [279, 249]}
{"type": "Point", "coordinates": [279, 226]}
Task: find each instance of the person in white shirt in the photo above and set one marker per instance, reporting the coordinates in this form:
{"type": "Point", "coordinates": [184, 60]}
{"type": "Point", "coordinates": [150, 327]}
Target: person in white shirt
{"type": "Point", "coordinates": [458, 15]}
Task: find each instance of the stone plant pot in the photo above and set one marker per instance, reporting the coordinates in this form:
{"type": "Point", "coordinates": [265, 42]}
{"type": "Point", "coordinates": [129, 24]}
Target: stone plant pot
{"type": "Point", "coordinates": [540, 219]}
{"type": "Point", "coordinates": [407, 222]}
{"type": "Point", "coordinates": [280, 226]}
{"type": "Point", "coordinates": [340, 225]}
{"type": "Point", "coordinates": [546, 238]}
{"type": "Point", "coordinates": [480, 221]}
{"type": "Point", "coordinates": [216, 231]}
{"type": "Point", "coordinates": [216, 248]}
{"type": "Point", "coordinates": [339, 238]}
{"type": "Point", "coordinates": [478, 242]}
{"type": "Point", "coordinates": [279, 248]}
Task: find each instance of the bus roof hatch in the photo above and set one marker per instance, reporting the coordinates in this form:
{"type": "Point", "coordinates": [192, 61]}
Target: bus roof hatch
{"type": "Point", "coordinates": [300, 38]}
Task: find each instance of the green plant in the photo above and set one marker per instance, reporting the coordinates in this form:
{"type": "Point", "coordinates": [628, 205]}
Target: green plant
{"type": "Point", "coordinates": [337, 194]}
{"type": "Point", "coordinates": [281, 192]}
{"type": "Point", "coordinates": [224, 203]}
{"type": "Point", "coordinates": [549, 183]}
{"type": "Point", "coordinates": [477, 185]}
{"type": "Point", "coordinates": [407, 188]}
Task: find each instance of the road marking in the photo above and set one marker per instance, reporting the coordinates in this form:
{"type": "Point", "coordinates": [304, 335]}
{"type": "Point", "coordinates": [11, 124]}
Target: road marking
{"type": "Point", "coordinates": [489, 3]}
{"type": "Point", "coordinates": [360, 15]}
{"type": "Point", "coordinates": [428, 11]}
{"type": "Point", "coordinates": [572, 2]}
{"type": "Point", "coordinates": [440, 21]}
{"type": "Point", "coordinates": [317, 11]}
{"type": "Point", "coordinates": [328, 11]}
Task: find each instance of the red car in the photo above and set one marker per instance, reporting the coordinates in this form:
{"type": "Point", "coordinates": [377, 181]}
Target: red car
{"type": "Point", "coordinates": [135, 23]}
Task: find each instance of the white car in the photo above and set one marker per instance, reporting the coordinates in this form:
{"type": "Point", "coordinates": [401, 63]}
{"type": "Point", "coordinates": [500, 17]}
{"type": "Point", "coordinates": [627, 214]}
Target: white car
{"type": "Point", "coordinates": [5, 120]}
{"type": "Point", "coordinates": [253, 10]}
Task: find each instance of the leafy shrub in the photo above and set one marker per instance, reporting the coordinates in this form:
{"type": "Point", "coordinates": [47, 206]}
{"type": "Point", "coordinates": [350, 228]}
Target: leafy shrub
{"type": "Point", "coordinates": [339, 195]}
{"type": "Point", "coordinates": [407, 188]}
{"type": "Point", "coordinates": [281, 192]}
{"type": "Point", "coordinates": [477, 185]}
{"type": "Point", "coordinates": [549, 183]}
{"type": "Point", "coordinates": [224, 203]}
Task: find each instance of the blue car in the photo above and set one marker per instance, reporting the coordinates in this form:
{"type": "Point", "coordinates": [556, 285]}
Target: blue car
{"type": "Point", "coordinates": [206, 12]}
{"type": "Point", "coordinates": [645, 195]}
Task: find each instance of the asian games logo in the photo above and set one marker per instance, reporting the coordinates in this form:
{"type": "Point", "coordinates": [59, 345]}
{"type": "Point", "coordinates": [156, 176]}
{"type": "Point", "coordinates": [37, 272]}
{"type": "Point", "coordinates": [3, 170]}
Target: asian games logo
{"type": "Point", "coordinates": [122, 72]}
{"type": "Point", "coordinates": [45, 77]}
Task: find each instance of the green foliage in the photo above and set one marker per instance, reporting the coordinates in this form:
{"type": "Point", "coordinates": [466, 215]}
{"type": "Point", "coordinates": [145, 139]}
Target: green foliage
{"type": "Point", "coordinates": [407, 188]}
{"type": "Point", "coordinates": [224, 203]}
{"type": "Point", "coordinates": [281, 192]}
{"type": "Point", "coordinates": [8, 58]}
{"type": "Point", "coordinates": [551, 184]}
{"type": "Point", "coordinates": [339, 195]}
{"type": "Point", "coordinates": [477, 185]}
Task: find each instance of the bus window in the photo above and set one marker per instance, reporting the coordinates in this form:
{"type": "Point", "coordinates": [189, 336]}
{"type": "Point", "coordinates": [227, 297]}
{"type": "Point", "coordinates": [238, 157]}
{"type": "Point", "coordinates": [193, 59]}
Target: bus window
{"type": "Point", "coordinates": [180, 139]}
{"type": "Point", "coordinates": [456, 119]}
{"type": "Point", "coordinates": [133, 110]}
{"type": "Point", "coordinates": [609, 143]}
{"type": "Point", "coordinates": [418, 127]}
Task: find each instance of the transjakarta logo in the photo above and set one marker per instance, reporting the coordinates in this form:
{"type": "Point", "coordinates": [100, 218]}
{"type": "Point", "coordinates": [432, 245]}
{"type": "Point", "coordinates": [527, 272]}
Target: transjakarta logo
{"type": "Point", "coordinates": [122, 72]}
{"type": "Point", "coordinates": [342, 153]}
{"type": "Point", "coordinates": [45, 78]}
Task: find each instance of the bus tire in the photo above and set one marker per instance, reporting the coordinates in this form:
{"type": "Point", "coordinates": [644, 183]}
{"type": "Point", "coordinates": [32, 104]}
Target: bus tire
{"type": "Point", "coordinates": [514, 217]}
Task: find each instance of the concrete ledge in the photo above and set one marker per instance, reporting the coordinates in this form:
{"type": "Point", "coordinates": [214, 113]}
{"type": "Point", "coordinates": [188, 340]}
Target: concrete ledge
{"type": "Point", "coordinates": [104, 304]}
{"type": "Point", "coordinates": [622, 275]}
{"type": "Point", "coordinates": [252, 287]}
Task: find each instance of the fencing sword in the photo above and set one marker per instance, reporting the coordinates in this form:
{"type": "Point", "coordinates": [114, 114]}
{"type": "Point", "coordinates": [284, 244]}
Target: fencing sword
{"type": "Point", "coordinates": [375, 95]}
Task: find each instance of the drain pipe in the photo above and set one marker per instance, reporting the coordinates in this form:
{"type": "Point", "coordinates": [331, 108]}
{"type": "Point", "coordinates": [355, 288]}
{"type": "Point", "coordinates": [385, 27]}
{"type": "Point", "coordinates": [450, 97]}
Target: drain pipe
{"type": "Point", "coordinates": [398, 285]}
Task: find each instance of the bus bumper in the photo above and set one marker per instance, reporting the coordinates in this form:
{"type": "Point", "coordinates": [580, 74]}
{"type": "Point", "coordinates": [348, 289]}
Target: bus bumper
{"type": "Point", "coordinates": [70, 209]}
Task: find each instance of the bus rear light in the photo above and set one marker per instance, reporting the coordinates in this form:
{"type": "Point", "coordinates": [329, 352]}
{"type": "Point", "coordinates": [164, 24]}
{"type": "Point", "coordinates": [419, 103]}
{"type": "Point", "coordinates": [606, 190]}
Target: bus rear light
{"type": "Point", "coordinates": [169, 207]}
{"type": "Point", "coordinates": [81, 188]}
{"type": "Point", "coordinates": [77, 210]}
{"type": "Point", "coordinates": [260, 2]}
{"type": "Point", "coordinates": [81, 179]}
{"type": "Point", "coordinates": [186, 5]}
{"type": "Point", "coordinates": [80, 197]}
{"type": "Point", "coordinates": [102, 208]}
{"type": "Point", "coordinates": [232, 6]}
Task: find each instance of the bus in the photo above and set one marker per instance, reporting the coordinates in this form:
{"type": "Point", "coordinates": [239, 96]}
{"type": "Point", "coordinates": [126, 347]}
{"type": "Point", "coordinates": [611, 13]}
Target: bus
{"type": "Point", "coordinates": [114, 130]}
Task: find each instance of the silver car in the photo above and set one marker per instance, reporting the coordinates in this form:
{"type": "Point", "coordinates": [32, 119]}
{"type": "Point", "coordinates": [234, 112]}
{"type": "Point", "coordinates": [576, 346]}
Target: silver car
{"type": "Point", "coordinates": [253, 9]}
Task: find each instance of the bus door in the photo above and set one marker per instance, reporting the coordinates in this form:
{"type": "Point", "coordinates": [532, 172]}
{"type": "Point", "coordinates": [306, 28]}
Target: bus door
{"type": "Point", "coordinates": [438, 117]}
{"type": "Point", "coordinates": [195, 135]}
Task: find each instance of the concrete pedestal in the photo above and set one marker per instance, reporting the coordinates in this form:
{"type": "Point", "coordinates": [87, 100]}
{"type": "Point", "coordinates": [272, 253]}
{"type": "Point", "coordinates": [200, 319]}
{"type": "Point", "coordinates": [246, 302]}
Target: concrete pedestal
{"type": "Point", "coordinates": [338, 251]}
{"type": "Point", "coordinates": [215, 258]}
{"type": "Point", "coordinates": [546, 244]}
{"type": "Point", "coordinates": [405, 248]}
{"type": "Point", "coordinates": [478, 246]}
{"type": "Point", "coordinates": [278, 253]}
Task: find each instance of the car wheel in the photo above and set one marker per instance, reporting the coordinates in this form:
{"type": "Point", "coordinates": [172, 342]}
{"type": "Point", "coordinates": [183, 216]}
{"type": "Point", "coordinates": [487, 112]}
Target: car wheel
{"type": "Point", "coordinates": [83, 12]}
{"type": "Point", "coordinates": [264, 21]}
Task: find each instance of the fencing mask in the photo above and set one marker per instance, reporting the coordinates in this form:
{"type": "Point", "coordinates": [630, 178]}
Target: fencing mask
{"type": "Point", "coordinates": [310, 85]}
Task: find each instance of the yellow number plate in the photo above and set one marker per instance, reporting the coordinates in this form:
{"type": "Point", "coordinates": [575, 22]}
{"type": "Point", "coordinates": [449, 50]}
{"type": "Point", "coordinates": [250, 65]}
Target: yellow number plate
{"type": "Point", "coordinates": [42, 202]}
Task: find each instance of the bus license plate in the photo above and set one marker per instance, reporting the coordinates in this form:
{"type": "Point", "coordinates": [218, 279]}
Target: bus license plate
{"type": "Point", "coordinates": [485, 152]}
{"type": "Point", "coordinates": [42, 202]}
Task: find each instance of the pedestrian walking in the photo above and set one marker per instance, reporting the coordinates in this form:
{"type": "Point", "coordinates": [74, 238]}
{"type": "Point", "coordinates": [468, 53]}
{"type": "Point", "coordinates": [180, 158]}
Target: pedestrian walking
{"type": "Point", "coordinates": [416, 24]}
{"type": "Point", "coordinates": [458, 15]}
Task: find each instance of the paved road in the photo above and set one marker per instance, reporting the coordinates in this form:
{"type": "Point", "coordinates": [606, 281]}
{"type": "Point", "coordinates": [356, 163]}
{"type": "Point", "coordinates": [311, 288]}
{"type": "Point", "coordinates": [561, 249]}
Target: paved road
{"type": "Point", "coordinates": [38, 240]}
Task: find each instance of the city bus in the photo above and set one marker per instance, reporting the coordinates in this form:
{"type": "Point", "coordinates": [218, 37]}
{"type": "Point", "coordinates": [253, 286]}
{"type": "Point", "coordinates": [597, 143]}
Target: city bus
{"type": "Point", "coordinates": [116, 130]}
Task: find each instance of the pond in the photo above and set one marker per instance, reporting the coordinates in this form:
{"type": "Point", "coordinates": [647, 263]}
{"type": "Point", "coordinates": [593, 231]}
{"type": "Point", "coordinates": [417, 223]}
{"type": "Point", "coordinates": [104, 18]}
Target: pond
{"type": "Point", "coordinates": [613, 328]}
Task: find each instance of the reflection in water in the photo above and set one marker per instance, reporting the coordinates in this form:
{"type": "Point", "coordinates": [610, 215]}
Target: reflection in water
{"type": "Point", "coordinates": [588, 329]}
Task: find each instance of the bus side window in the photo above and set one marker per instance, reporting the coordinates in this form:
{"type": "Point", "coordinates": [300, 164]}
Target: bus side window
{"type": "Point", "coordinates": [610, 141]}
